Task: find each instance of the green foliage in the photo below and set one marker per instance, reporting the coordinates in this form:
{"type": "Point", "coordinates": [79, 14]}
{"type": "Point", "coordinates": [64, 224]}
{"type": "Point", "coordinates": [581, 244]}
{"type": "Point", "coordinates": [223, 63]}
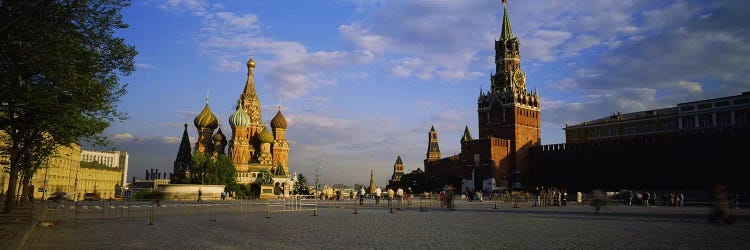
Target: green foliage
{"type": "Point", "coordinates": [206, 170]}
{"type": "Point", "coordinates": [60, 69]}
{"type": "Point", "coordinates": [244, 190]}
{"type": "Point", "coordinates": [301, 187]}
{"type": "Point", "coordinates": [97, 165]}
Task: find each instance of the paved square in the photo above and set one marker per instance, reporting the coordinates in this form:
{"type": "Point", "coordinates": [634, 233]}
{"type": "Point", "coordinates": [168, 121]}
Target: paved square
{"type": "Point", "coordinates": [471, 226]}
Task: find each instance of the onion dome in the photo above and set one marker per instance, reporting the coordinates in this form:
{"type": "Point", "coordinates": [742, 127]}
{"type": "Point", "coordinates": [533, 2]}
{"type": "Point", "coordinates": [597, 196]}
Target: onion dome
{"type": "Point", "coordinates": [219, 136]}
{"type": "Point", "coordinates": [265, 136]}
{"type": "Point", "coordinates": [251, 62]}
{"type": "Point", "coordinates": [206, 119]}
{"type": "Point", "coordinates": [278, 121]}
{"type": "Point", "coordinates": [239, 118]}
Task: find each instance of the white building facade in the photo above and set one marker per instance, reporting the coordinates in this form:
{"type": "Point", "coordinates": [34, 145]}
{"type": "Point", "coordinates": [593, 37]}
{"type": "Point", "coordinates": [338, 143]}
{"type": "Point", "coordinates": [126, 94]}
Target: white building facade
{"type": "Point", "coordinates": [112, 159]}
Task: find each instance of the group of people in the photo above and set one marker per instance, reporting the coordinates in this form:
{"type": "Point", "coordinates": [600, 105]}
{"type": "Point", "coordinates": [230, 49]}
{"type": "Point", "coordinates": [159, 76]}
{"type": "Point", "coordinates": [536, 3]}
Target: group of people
{"type": "Point", "coordinates": [470, 196]}
{"type": "Point", "coordinates": [674, 199]}
{"type": "Point", "coordinates": [551, 196]}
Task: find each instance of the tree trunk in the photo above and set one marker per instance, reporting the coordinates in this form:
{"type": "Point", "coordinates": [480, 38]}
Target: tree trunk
{"type": "Point", "coordinates": [10, 198]}
{"type": "Point", "coordinates": [25, 191]}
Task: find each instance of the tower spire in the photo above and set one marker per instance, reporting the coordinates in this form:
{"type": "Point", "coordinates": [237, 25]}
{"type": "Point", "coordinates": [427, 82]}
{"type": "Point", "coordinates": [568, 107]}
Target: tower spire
{"type": "Point", "coordinates": [507, 32]}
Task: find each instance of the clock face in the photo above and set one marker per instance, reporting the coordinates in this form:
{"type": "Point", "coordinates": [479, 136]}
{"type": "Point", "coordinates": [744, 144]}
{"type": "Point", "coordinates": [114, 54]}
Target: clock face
{"type": "Point", "coordinates": [519, 79]}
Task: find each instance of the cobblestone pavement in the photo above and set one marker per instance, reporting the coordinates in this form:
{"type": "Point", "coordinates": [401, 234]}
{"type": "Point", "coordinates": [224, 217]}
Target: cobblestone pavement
{"type": "Point", "coordinates": [469, 227]}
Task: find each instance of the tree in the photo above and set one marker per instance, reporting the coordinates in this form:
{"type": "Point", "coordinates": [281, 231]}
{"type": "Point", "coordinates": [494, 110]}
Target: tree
{"type": "Point", "coordinates": [60, 69]}
{"type": "Point", "coordinates": [207, 170]}
{"type": "Point", "coordinates": [301, 187]}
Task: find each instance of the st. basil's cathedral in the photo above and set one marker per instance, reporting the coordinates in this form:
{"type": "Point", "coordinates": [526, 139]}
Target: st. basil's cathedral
{"type": "Point", "coordinates": [253, 147]}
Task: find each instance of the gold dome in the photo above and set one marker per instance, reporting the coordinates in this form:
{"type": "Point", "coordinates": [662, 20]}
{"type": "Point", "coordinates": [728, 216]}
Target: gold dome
{"type": "Point", "coordinates": [251, 62]}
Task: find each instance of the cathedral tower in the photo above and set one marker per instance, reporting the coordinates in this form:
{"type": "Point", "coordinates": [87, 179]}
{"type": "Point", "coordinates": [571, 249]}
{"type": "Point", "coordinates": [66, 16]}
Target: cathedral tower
{"type": "Point", "coordinates": [433, 149]}
{"type": "Point", "coordinates": [184, 156]}
{"type": "Point", "coordinates": [239, 146]}
{"type": "Point", "coordinates": [509, 110]}
{"type": "Point", "coordinates": [251, 106]}
{"type": "Point", "coordinates": [280, 145]}
{"type": "Point", "coordinates": [220, 143]}
{"type": "Point", "coordinates": [266, 138]}
{"type": "Point", "coordinates": [205, 122]}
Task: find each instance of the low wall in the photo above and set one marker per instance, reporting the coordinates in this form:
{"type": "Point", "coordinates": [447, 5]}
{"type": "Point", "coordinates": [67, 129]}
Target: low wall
{"type": "Point", "coordinates": [190, 191]}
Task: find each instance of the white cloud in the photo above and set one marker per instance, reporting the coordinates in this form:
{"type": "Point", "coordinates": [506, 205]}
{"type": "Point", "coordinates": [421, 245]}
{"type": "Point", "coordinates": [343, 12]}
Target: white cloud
{"type": "Point", "coordinates": [144, 66]}
{"type": "Point", "coordinates": [170, 139]}
{"type": "Point", "coordinates": [542, 44]}
{"type": "Point", "coordinates": [195, 7]}
{"type": "Point", "coordinates": [363, 38]}
{"type": "Point", "coordinates": [123, 137]}
{"type": "Point", "coordinates": [226, 65]}
{"type": "Point", "coordinates": [691, 87]}
{"type": "Point", "coordinates": [579, 43]}
{"type": "Point", "coordinates": [129, 138]}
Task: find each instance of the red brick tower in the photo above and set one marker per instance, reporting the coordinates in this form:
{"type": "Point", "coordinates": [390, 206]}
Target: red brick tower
{"type": "Point", "coordinates": [509, 110]}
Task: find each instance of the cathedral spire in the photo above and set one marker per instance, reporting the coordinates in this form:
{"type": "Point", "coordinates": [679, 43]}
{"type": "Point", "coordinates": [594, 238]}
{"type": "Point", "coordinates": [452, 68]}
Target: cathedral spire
{"type": "Point", "coordinates": [182, 161]}
{"type": "Point", "coordinates": [467, 135]}
{"type": "Point", "coordinates": [250, 83]}
{"type": "Point", "coordinates": [507, 32]}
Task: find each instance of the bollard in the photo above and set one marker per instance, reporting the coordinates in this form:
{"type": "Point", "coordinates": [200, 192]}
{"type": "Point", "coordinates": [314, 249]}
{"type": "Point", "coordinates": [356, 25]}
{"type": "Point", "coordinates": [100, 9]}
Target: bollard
{"type": "Point", "coordinates": [355, 206]}
{"type": "Point", "coordinates": [213, 214]}
{"type": "Point", "coordinates": [315, 209]}
{"type": "Point", "coordinates": [495, 204]}
{"type": "Point", "coordinates": [268, 210]}
{"type": "Point", "coordinates": [75, 218]}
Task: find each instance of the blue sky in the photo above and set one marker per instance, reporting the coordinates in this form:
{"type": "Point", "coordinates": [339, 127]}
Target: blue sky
{"type": "Point", "coordinates": [361, 82]}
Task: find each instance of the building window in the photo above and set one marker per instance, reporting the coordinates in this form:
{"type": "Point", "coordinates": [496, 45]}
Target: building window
{"type": "Point", "coordinates": [742, 117]}
{"type": "Point", "coordinates": [615, 130]}
{"type": "Point", "coordinates": [669, 125]}
{"type": "Point", "coordinates": [687, 108]}
{"type": "Point", "coordinates": [721, 104]}
{"type": "Point", "coordinates": [688, 122]}
{"type": "Point", "coordinates": [704, 106]}
{"type": "Point", "coordinates": [705, 121]}
{"type": "Point", "coordinates": [723, 119]}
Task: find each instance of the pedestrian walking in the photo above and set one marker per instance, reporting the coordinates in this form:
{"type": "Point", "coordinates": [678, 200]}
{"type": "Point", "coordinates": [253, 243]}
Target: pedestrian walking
{"type": "Point", "coordinates": [390, 196]}
{"type": "Point", "coordinates": [400, 196]}
{"type": "Point", "coordinates": [721, 206]}
{"type": "Point", "coordinates": [361, 195]}
{"type": "Point", "coordinates": [409, 195]}
{"type": "Point", "coordinates": [377, 195]}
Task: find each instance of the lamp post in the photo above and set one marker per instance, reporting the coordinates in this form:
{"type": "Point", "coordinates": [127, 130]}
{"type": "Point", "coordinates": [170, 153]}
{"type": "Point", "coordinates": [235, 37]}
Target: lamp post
{"type": "Point", "coordinates": [44, 185]}
{"type": "Point", "coordinates": [317, 176]}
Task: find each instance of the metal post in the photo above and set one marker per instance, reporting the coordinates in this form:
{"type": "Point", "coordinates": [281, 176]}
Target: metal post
{"type": "Point", "coordinates": [213, 214]}
{"type": "Point", "coordinates": [75, 217]}
{"type": "Point", "coordinates": [355, 206]}
{"type": "Point", "coordinates": [268, 210]}
{"type": "Point", "coordinates": [390, 204]}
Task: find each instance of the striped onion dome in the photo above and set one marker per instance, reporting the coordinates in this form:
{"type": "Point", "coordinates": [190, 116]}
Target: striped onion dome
{"type": "Point", "coordinates": [278, 121]}
{"type": "Point", "coordinates": [206, 119]}
{"type": "Point", "coordinates": [239, 118]}
{"type": "Point", "coordinates": [265, 135]}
